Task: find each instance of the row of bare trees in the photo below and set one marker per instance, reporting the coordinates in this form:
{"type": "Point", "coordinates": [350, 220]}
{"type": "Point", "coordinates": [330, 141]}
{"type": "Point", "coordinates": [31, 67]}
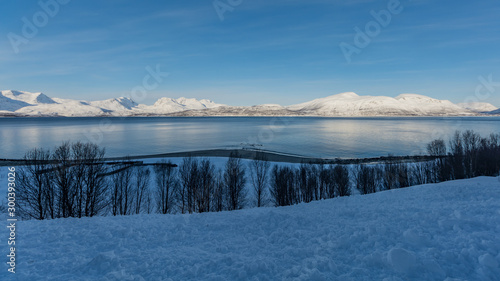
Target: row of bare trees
{"type": "Point", "coordinates": [198, 187]}
{"type": "Point", "coordinates": [76, 181]}
{"type": "Point", "coordinates": [466, 155]}
{"type": "Point", "coordinates": [309, 182]}
{"type": "Point", "coordinates": [70, 182]}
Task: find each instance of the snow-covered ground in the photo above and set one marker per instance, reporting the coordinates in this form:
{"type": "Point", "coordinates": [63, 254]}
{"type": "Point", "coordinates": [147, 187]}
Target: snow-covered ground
{"type": "Point", "coordinates": [447, 231]}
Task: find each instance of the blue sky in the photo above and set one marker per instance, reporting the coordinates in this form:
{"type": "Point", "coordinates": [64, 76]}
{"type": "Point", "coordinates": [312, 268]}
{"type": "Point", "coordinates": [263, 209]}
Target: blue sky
{"type": "Point", "coordinates": [277, 51]}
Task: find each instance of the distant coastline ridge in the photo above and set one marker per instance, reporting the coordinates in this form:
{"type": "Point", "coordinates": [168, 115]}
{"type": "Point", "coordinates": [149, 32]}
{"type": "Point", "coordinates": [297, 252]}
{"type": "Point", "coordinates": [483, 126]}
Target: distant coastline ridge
{"type": "Point", "coordinates": [26, 104]}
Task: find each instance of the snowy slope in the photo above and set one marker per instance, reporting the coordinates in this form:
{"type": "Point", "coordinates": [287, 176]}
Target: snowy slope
{"type": "Point", "coordinates": [64, 107]}
{"type": "Point", "coordinates": [11, 100]}
{"type": "Point", "coordinates": [495, 112]}
{"type": "Point", "coordinates": [119, 104]}
{"type": "Point", "coordinates": [38, 104]}
{"type": "Point", "coordinates": [345, 104]}
{"type": "Point", "coordinates": [351, 104]}
{"type": "Point", "coordinates": [8, 104]}
{"type": "Point", "coordinates": [447, 231]}
{"type": "Point", "coordinates": [478, 106]}
{"type": "Point", "coordinates": [170, 105]}
{"type": "Point", "coordinates": [27, 97]}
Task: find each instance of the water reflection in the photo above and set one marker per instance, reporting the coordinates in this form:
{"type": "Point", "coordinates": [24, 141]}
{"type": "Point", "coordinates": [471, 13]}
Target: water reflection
{"type": "Point", "coordinates": [318, 137]}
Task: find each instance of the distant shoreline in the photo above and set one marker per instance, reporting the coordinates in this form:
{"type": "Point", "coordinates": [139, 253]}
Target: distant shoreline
{"type": "Point", "coordinates": [271, 156]}
{"type": "Point", "coordinates": [178, 115]}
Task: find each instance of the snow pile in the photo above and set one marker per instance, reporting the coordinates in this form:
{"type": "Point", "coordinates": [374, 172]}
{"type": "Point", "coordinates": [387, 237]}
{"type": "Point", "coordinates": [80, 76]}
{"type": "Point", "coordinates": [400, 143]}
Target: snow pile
{"type": "Point", "coordinates": [446, 231]}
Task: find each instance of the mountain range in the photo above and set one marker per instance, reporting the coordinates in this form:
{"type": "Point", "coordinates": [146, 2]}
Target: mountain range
{"type": "Point", "coordinates": [20, 103]}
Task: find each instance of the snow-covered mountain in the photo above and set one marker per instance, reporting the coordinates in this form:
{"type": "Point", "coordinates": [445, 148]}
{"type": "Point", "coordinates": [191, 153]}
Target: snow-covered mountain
{"type": "Point", "coordinates": [478, 106]}
{"type": "Point", "coordinates": [344, 104]}
{"type": "Point", "coordinates": [170, 105]}
{"type": "Point", "coordinates": [348, 104]}
{"type": "Point", "coordinates": [37, 104]}
{"type": "Point", "coordinates": [494, 112]}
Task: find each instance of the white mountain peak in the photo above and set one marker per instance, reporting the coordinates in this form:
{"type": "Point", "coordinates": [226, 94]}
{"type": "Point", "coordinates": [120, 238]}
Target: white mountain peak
{"type": "Point", "coordinates": [343, 104]}
{"type": "Point", "coordinates": [27, 97]}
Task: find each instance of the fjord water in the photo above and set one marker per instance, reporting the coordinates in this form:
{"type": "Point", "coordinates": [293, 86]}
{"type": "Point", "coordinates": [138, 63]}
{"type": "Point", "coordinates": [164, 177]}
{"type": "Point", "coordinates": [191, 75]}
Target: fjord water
{"type": "Point", "coordinates": [307, 136]}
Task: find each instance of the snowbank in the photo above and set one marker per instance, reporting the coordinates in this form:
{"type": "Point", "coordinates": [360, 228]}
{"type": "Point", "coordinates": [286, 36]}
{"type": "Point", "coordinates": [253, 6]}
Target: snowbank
{"type": "Point", "coordinates": [430, 232]}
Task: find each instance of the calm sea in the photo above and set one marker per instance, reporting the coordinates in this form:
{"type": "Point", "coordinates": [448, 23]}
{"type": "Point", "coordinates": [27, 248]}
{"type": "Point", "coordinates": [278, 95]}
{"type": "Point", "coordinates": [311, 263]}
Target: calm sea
{"type": "Point", "coordinates": [307, 136]}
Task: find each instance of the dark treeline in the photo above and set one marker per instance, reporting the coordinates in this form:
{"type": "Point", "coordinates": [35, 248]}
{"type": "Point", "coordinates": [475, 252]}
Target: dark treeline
{"type": "Point", "coordinates": [309, 182]}
{"type": "Point", "coordinates": [75, 181]}
{"type": "Point", "coordinates": [466, 155]}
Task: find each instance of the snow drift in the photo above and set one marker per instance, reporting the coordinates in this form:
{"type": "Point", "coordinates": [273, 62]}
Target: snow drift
{"type": "Point", "coordinates": [445, 231]}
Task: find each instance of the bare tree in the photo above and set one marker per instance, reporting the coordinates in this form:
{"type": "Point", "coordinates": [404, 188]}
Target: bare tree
{"type": "Point", "coordinates": [471, 145]}
{"type": "Point", "coordinates": [94, 179]}
{"type": "Point", "coordinates": [278, 186]}
{"type": "Point", "coordinates": [307, 176]}
{"type": "Point", "coordinates": [322, 181]}
{"type": "Point", "coordinates": [141, 187]}
{"type": "Point", "coordinates": [457, 156]}
{"type": "Point", "coordinates": [34, 184]}
{"type": "Point", "coordinates": [234, 179]}
{"type": "Point", "coordinates": [79, 168]}
{"type": "Point", "coordinates": [189, 183]}
{"type": "Point", "coordinates": [259, 174]}
{"type": "Point", "coordinates": [436, 148]}
{"type": "Point", "coordinates": [403, 175]}
{"type": "Point", "coordinates": [166, 186]}
{"type": "Point", "coordinates": [390, 176]}
{"type": "Point", "coordinates": [64, 179]}
{"type": "Point", "coordinates": [366, 179]}
{"type": "Point", "coordinates": [420, 175]}
{"type": "Point", "coordinates": [219, 192]}
{"type": "Point", "coordinates": [122, 195]}
{"type": "Point", "coordinates": [326, 181]}
{"type": "Point", "coordinates": [207, 182]}
{"type": "Point", "coordinates": [341, 180]}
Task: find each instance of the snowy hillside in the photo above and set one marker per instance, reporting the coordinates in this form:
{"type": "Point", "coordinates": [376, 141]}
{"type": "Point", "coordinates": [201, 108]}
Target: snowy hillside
{"type": "Point", "coordinates": [350, 104]}
{"type": "Point", "coordinates": [495, 112]}
{"type": "Point", "coordinates": [345, 104]}
{"type": "Point", "coordinates": [169, 105]}
{"type": "Point", "coordinates": [446, 231]}
{"type": "Point", "coordinates": [38, 104]}
{"type": "Point", "coordinates": [478, 106]}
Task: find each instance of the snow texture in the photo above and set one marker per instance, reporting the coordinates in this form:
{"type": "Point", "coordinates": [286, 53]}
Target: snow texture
{"type": "Point", "coordinates": [446, 231]}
